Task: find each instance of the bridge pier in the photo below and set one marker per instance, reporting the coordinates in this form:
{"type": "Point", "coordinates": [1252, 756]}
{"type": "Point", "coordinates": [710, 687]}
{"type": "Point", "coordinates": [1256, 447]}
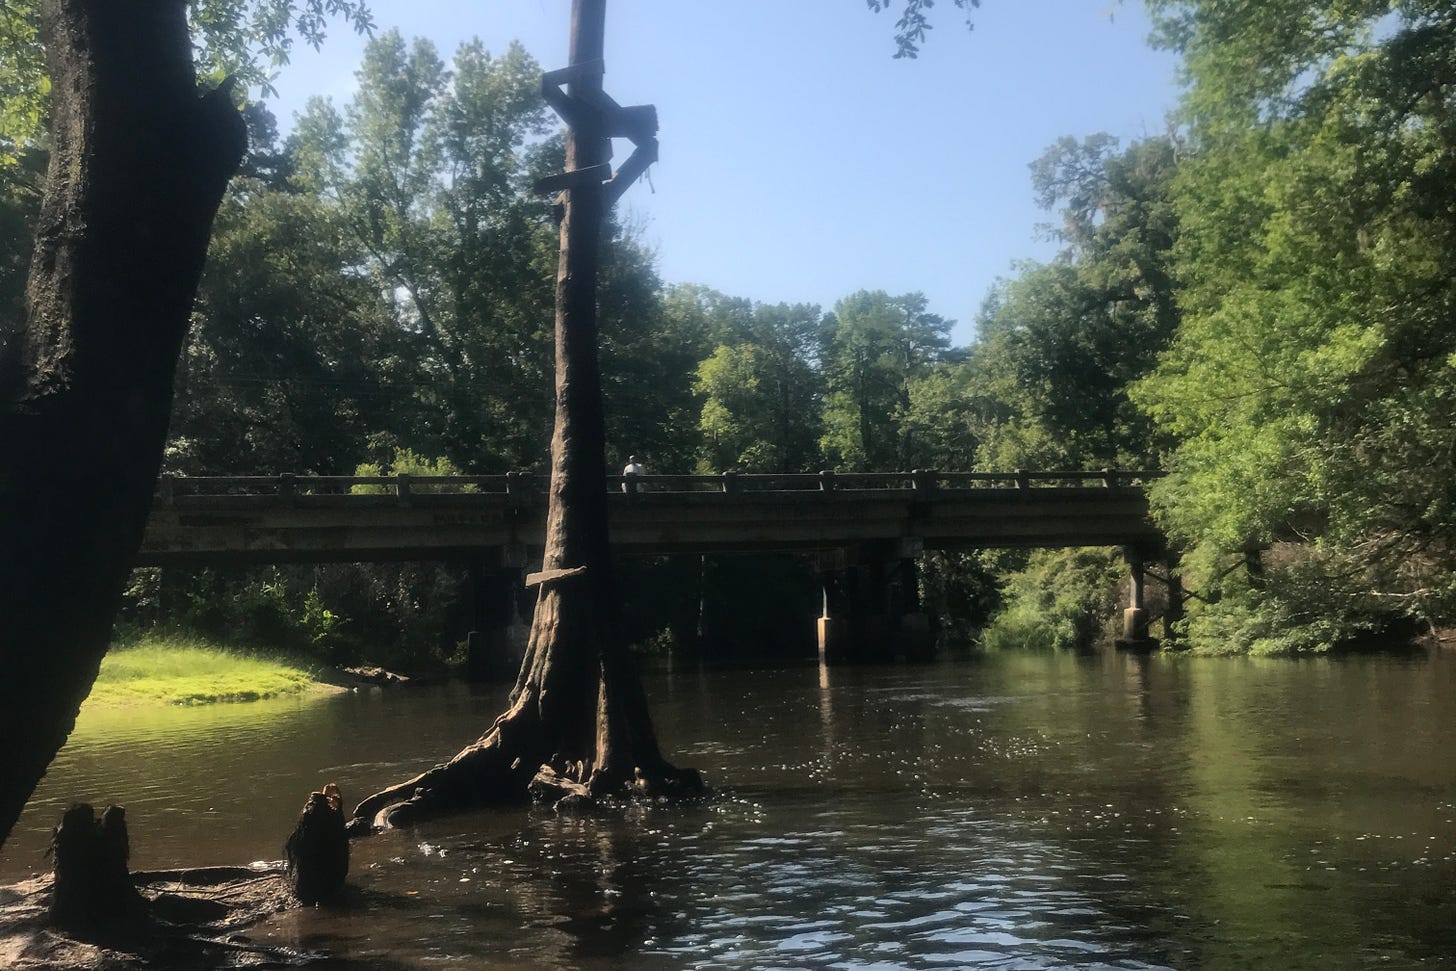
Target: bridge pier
{"type": "Point", "coordinates": [836, 640]}
{"type": "Point", "coordinates": [1135, 618]}
{"type": "Point", "coordinates": [872, 611]}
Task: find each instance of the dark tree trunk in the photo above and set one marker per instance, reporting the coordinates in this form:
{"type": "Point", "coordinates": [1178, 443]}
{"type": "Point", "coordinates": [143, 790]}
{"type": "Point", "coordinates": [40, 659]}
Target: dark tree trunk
{"type": "Point", "coordinates": [317, 851]}
{"type": "Point", "coordinates": [93, 888]}
{"type": "Point", "coordinates": [578, 723]}
{"type": "Point", "coordinates": [138, 166]}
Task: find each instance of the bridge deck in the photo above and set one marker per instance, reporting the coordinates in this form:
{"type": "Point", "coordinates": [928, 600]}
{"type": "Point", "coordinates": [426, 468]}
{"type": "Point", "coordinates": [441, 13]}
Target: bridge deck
{"type": "Point", "coordinates": [283, 519]}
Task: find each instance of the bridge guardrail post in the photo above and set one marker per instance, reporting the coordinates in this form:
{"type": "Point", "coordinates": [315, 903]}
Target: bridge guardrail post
{"type": "Point", "coordinates": [513, 483]}
{"type": "Point", "coordinates": [402, 489]}
{"type": "Point", "coordinates": [1023, 481]}
{"type": "Point", "coordinates": [167, 491]}
{"type": "Point", "coordinates": [287, 487]}
{"type": "Point", "coordinates": [1109, 479]}
{"type": "Point", "coordinates": [826, 480]}
{"type": "Point", "coordinates": [923, 480]}
{"type": "Point", "coordinates": [730, 483]}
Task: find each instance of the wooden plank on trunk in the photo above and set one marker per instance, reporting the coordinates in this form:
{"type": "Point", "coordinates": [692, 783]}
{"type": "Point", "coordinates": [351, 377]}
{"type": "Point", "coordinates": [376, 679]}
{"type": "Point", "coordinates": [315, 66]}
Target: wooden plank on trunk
{"type": "Point", "coordinates": [549, 576]}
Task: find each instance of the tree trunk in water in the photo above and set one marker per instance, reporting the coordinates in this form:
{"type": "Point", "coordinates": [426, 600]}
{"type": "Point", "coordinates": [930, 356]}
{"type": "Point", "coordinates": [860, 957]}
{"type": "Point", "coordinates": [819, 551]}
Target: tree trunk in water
{"type": "Point", "coordinates": [139, 163]}
{"type": "Point", "coordinates": [93, 888]}
{"type": "Point", "coordinates": [578, 723]}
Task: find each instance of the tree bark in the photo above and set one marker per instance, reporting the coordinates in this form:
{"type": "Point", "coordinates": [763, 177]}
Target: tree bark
{"type": "Point", "coordinates": [317, 851]}
{"type": "Point", "coordinates": [139, 163]}
{"type": "Point", "coordinates": [578, 712]}
{"type": "Point", "coordinates": [93, 889]}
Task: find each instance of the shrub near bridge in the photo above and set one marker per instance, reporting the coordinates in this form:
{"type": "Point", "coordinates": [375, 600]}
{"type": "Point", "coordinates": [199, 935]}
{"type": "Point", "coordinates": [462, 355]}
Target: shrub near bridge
{"type": "Point", "coordinates": [1063, 600]}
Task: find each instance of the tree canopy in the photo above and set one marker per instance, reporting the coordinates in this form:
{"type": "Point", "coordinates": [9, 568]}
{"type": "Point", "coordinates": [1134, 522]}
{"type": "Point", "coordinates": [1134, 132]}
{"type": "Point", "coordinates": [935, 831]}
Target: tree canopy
{"type": "Point", "coordinates": [244, 39]}
{"type": "Point", "coordinates": [1309, 388]}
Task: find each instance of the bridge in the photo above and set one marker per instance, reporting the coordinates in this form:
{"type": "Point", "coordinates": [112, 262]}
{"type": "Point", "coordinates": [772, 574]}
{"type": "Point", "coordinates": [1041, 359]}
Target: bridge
{"type": "Point", "coordinates": [288, 518]}
{"type": "Point", "coordinates": [860, 528]}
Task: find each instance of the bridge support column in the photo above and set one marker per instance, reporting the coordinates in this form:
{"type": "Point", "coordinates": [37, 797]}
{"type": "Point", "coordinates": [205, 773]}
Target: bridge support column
{"type": "Point", "coordinates": [872, 610]}
{"type": "Point", "coordinates": [1135, 617]}
{"type": "Point", "coordinates": [490, 654]}
{"type": "Point", "coordinates": [835, 634]}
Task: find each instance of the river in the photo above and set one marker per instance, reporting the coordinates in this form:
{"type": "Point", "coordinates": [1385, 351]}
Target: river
{"type": "Point", "coordinates": [1008, 812]}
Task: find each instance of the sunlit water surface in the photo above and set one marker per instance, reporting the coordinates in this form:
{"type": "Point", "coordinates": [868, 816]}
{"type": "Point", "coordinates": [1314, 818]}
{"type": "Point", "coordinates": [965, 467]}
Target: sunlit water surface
{"type": "Point", "coordinates": [1010, 812]}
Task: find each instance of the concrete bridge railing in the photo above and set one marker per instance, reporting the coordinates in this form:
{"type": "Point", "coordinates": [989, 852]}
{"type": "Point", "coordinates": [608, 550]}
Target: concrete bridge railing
{"type": "Point", "coordinates": [404, 487]}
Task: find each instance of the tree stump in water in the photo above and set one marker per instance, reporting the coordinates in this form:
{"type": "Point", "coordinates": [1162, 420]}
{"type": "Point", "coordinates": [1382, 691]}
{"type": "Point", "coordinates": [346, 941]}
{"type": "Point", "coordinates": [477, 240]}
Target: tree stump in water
{"type": "Point", "coordinates": [317, 850]}
{"type": "Point", "coordinates": [93, 888]}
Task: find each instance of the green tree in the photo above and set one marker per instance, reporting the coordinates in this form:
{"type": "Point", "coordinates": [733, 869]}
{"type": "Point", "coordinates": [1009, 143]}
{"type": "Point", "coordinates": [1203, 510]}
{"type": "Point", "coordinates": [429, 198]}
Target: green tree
{"type": "Point", "coordinates": [1061, 343]}
{"type": "Point", "coordinates": [875, 347]}
{"type": "Point", "coordinates": [1046, 385]}
{"type": "Point", "coordinates": [761, 394]}
{"type": "Point", "coordinates": [950, 415]}
{"type": "Point", "coordinates": [426, 167]}
{"type": "Point", "coordinates": [650, 353]}
{"type": "Point", "coordinates": [1311, 382]}
{"type": "Point", "coordinates": [292, 362]}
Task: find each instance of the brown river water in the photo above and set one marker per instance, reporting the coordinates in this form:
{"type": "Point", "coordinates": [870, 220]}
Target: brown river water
{"type": "Point", "coordinates": [1005, 812]}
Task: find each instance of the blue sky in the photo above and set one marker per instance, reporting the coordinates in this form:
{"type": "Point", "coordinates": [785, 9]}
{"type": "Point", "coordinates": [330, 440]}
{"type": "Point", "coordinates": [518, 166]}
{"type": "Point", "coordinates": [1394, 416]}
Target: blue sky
{"type": "Point", "coordinates": [800, 161]}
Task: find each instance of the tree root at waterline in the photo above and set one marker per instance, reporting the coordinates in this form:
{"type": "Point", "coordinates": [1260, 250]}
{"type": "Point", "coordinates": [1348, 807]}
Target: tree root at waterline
{"type": "Point", "coordinates": [545, 749]}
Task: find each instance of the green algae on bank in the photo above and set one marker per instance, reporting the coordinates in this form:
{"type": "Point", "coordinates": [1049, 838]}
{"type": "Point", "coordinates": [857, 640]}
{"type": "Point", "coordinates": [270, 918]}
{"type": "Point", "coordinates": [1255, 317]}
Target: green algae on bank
{"type": "Point", "coordinates": [182, 671]}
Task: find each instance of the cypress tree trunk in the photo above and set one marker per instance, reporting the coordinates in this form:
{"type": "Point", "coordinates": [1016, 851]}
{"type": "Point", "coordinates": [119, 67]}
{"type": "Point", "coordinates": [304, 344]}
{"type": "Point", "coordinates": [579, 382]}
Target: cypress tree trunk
{"type": "Point", "coordinates": [138, 166]}
{"type": "Point", "coordinates": [578, 725]}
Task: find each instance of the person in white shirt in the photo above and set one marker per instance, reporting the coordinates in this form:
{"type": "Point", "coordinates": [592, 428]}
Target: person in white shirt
{"type": "Point", "coordinates": [633, 467]}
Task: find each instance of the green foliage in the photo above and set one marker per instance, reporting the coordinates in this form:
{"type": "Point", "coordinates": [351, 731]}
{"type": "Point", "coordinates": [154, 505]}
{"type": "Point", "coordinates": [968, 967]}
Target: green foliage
{"type": "Point", "coordinates": [1060, 601]}
{"type": "Point", "coordinates": [1060, 344]}
{"type": "Point", "coordinates": [875, 348]}
{"type": "Point", "coordinates": [405, 616]}
{"type": "Point", "coordinates": [429, 171]}
{"type": "Point", "coordinates": [268, 608]}
{"type": "Point", "coordinates": [1046, 385]}
{"type": "Point", "coordinates": [406, 462]}
{"type": "Point", "coordinates": [246, 39]}
{"type": "Point", "coordinates": [250, 38]}
{"type": "Point", "coordinates": [947, 417]}
{"type": "Point", "coordinates": [461, 257]}
{"type": "Point", "coordinates": [1298, 602]}
{"type": "Point", "coordinates": [24, 88]}
{"type": "Point", "coordinates": [760, 392]}
{"type": "Point", "coordinates": [961, 590]}
{"type": "Point", "coordinates": [1311, 384]}
{"type": "Point", "coordinates": [291, 361]}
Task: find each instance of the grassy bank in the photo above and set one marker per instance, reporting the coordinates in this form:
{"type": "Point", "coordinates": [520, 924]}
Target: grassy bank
{"type": "Point", "coordinates": [186, 671]}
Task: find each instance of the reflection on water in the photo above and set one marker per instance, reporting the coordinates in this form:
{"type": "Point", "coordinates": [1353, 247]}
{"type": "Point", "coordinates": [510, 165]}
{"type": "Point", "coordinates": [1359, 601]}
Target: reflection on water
{"type": "Point", "coordinates": [1013, 812]}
